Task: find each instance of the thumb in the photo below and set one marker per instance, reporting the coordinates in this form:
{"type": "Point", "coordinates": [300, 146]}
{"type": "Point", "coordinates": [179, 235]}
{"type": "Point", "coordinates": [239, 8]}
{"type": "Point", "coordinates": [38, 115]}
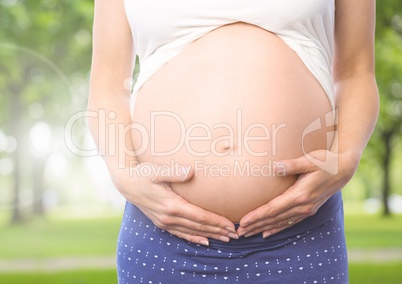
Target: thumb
{"type": "Point", "coordinates": [179, 173]}
{"type": "Point", "coordinates": [293, 166]}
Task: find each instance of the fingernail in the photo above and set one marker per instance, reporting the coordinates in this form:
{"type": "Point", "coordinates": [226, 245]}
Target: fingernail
{"type": "Point", "coordinates": [266, 235]}
{"type": "Point", "coordinates": [204, 243]}
{"type": "Point", "coordinates": [280, 169]}
{"type": "Point", "coordinates": [233, 236]}
{"type": "Point", "coordinates": [182, 171]}
{"type": "Point", "coordinates": [248, 235]}
{"type": "Point", "coordinates": [186, 170]}
{"type": "Point", "coordinates": [230, 229]}
{"type": "Point", "coordinates": [241, 234]}
{"type": "Point", "coordinates": [224, 239]}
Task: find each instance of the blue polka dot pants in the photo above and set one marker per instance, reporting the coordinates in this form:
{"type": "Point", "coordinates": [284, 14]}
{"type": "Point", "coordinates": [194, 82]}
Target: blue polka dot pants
{"type": "Point", "coordinates": [309, 252]}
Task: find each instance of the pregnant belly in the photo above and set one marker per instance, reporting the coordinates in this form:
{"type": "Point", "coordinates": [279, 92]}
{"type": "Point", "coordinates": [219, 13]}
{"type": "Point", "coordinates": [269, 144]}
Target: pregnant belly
{"type": "Point", "coordinates": [231, 104]}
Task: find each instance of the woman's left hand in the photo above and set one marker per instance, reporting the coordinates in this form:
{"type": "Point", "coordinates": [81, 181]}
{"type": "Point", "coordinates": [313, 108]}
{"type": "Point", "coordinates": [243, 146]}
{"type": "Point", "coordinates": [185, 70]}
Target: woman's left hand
{"type": "Point", "coordinates": [320, 173]}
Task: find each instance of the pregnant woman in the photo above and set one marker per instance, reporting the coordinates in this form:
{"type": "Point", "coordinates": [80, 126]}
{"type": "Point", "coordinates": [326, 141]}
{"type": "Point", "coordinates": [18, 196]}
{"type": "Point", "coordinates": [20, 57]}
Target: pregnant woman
{"type": "Point", "coordinates": [246, 120]}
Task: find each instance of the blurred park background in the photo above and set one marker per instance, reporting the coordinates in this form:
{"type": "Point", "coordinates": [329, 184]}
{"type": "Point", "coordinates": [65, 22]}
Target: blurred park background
{"type": "Point", "coordinates": [59, 212]}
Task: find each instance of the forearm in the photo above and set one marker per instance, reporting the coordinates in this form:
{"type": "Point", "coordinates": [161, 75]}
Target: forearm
{"type": "Point", "coordinates": [356, 93]}
{"type": "Point", "coordinates": [357, 103]}
{"type": "Point", "coordinates": [109, 123]}
{"type": "Point", "coordinates": [113, 60]}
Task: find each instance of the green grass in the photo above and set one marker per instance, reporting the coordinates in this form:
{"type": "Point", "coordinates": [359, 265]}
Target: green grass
{"type": "Point", "coordinates": [390, 273]}
{"type": "Point", "coordinates": [373, 231]}
{"type": "Point", "coordinates": [70, 277]}
{"type": "Point", "coordinates": [92, 237]}
{"type": "Point", "coordinates": [358, 274]}
{"type": "Point", "coordinates": [42, 239]}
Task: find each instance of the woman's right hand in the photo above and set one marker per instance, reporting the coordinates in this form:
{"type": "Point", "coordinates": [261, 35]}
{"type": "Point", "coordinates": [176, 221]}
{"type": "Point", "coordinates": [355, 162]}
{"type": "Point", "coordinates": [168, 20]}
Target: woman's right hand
{"type": "Point", "coordinates": [152, 194]}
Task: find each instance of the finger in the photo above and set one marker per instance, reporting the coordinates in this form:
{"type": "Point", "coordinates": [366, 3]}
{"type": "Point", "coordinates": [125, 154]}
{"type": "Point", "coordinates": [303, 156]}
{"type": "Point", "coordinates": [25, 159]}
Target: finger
{"type": "Point", "coordinates": [189, 229]}
{"type": "Point", "coordinates": [290, 218]}
{"type": "Point", "coordinates": [267, 216]}
{"type": "Point", "coordinates": [203, 221]}
{"type": "Point", "coordinates": [280, 227]}
{"type": "Point", "coordinates": [183, 227]}
{"type": "Point", "coordinates": [270, 210]}
{"type": "Point", "coordinates": [288, 206]}
{"type": "Point", "coordinates": [193, 239]}
{"type": "Point", "coordinates": [292, 215]}
{"type": "Point", "coordinates": [253, 220]}
{"type": "Point", "coordinates": [274, 225]}
{"type": "Point", "coordinates": [293, 166]}
{"type": "Point", "coordinates": [181, 215]}
{"type": "Point", "coordinates": [174, 174]}
{"type": "Point", "coordinates": [293, 197]}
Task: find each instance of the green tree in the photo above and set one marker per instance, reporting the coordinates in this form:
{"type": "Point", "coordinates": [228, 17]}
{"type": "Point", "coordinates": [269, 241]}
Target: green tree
{"type": "Point", "coordinates": [44, 48]}
{"type": "Point", "coordinates": [388, 73]}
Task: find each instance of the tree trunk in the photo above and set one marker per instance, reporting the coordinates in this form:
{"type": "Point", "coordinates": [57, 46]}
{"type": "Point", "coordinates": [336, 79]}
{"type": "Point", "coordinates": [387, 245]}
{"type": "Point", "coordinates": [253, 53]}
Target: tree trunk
{"type": "Point", "coordinates": [15, 122]}
{"type": "Point", "coordinates": [38, 169]}
{"type": "Point", "coordinates": [386, 164]}
{"type": "Point", "coordinates": [16, 216]}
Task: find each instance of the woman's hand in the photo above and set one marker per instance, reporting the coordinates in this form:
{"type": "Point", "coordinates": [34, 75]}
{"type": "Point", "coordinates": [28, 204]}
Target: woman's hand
{"type": "Point", "coordinates": [151, 193]}
{"type": "Point", "coordinates": [320, 175]}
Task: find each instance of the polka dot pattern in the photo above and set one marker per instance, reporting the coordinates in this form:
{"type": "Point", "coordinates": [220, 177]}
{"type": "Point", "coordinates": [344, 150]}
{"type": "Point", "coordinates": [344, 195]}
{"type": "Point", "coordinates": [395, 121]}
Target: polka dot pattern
{"type": "Point", "coordinates": [147, 254]}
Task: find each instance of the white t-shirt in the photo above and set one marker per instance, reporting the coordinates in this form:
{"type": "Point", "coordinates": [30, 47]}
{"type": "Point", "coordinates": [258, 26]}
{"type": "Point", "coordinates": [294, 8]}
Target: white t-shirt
{"type": "Point", "coordinates": [161, 29]}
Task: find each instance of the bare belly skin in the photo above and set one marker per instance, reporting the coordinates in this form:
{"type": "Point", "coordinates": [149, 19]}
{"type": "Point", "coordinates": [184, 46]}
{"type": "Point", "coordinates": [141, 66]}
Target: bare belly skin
{"type": "Point", "coordinates": [231, 104]}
